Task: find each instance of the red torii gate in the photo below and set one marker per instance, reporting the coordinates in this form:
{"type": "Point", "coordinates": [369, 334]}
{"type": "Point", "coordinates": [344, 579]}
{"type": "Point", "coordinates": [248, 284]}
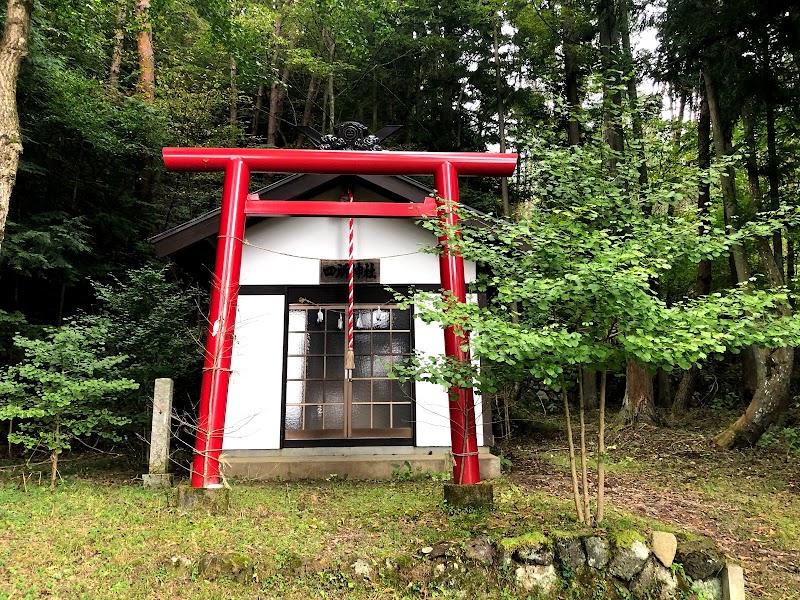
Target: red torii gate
{"type": "Point", "coordinates": [237, 163]}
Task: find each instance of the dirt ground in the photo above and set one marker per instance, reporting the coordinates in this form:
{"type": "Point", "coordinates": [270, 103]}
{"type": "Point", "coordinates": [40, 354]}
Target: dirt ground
{"type": "Point", "coordinates": [748, 501]}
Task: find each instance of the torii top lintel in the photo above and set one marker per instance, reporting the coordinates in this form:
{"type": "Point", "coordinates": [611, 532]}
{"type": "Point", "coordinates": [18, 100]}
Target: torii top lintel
{"type": "Point", "coordinates": [339, 162]}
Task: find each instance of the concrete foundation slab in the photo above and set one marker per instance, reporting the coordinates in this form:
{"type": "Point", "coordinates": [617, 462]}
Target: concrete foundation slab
{"type": "Point", "coordinates": [354, 463]}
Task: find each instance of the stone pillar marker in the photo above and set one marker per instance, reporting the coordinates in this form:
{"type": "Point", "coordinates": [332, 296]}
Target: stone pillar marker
{"type": "Point", "coordinates": [733, 582]}
{"type": "Point", "coordinates": [160, 435]}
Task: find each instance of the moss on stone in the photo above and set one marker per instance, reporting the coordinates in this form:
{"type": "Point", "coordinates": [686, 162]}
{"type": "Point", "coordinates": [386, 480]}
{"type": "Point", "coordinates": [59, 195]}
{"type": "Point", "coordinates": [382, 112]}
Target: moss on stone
{"type": "Point", "coordinates": [624, 538]}
{"type": "Point", "coordinates": [528, 540]}
{"type": "Point", "coordinates": [564, 534]}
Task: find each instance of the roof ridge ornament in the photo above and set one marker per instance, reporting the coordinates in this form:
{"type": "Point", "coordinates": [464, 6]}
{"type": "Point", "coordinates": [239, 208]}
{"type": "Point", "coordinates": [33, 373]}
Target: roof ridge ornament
{"type": "Point", "coordinates": [349, 135]}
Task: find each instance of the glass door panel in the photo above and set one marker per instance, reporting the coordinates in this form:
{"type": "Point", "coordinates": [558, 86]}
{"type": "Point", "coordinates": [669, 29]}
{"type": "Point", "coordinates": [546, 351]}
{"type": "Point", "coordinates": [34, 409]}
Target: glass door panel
{"type": "Point", "coordinates": [321, 402]}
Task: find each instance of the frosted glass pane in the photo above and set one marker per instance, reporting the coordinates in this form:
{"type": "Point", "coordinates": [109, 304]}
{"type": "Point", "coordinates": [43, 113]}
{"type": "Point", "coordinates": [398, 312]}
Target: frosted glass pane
{"type": "Point", "coordinates": [334, 416]}
{"type": "Point", "coordinates": [401, 391]}
{"type": "Point", "coordinates": [297, 343]}
{"type": "Point", "coordinates": [363, 366]}
{"type": "Point", "coordinates": [336, 342]}
{"type": "Point", "coordinates": [381, 366]}
{"type": "Point", "coordinates": [313, 417]}
{"type": "Point", "coordinates": [381, 344]}
{"type": "Point", "coordinates": [334, 393]}
{"type": "Point", "coordinates": [294, 392]}
{"type": "Point", "coordinates": [361, 343]}
{"type": "Point", "coordinates": [334, 367]}
{"type": "Point", "coordinates": [381, 390]}
{"type": "Point", "coordinates": [401, 343]}
{"type": "Point", "coordinates": [401, 415]}
{"type": "Point", "coordinates": [315, 367]}
{"type": "Point", "coordinates": [295, 367]}
{"type": "Point", "coordinates": [294, 416]}
{"type": "Point", "coordinates": [316, 343]}
{"type": "Point", "coordinates": [314, 392]}
{"type": "Point", "coordinates": [333, 318]}
{"type": "Point", "coordinates": [361, 416]}
{"type": "Point", "coordinates": [401, 319]}
{"type": "Point", "coordinates": [361, 391]}
{"type": "Point", "coordinates": [297, 320]}
{"type": "Point", "coordinates": [380, 416]}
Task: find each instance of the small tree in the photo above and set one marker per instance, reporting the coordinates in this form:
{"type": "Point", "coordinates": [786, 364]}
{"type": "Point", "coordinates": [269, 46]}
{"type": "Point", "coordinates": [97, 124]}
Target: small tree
{"type": "Point", "coordinates": [63, 389]}
{"type": "Point", "coordinates": [580, 269]}
{"type": "Point", "coordinates": [156, 323]}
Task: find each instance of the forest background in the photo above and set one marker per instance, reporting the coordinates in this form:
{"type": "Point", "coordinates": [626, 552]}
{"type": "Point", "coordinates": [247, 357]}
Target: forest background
{"type": "Point", "coordinates": [646, 233]}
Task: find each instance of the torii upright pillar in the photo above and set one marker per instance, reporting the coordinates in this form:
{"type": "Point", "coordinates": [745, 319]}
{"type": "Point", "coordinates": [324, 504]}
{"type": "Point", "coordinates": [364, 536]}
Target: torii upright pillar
{"type": "Point", "coordinates": [237, 163]}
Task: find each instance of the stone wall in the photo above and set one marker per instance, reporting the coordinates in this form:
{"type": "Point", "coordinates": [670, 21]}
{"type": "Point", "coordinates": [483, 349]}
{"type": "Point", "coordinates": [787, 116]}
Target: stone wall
{"type": "Point", "coordinates": [619, 565]}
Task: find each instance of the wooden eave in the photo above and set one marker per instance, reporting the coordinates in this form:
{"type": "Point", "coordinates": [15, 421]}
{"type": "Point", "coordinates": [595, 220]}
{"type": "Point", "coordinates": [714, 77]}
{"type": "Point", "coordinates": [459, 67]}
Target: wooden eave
{"type": "Point", "coordinates": [396, 188]}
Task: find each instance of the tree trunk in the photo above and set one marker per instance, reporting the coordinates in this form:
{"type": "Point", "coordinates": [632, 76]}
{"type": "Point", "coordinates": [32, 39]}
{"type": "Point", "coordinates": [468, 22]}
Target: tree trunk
{"type": "Point", "coordinates": [332, 104]}
{"type": "Point", "coordinates": [774, 273]}
{"type": "Point", "coordinates": [330, 95]}
{"type": "Point", "coordinates": [277, 93]}
{"type": "Point", "coordinates": [576, 492]}
{"type": "Point", "coordinates": [116, 51]}
{"type": "Point", "coordinates": [685, 392]}
{"type": "Point", "coordinates": [678, 121]}
{"type": "Point", "coordinates": [571, 77]}
{"type": "Point", "coordinates": [589, 388]}
{"type": "Point", "coordinates": [501, 122]}
{"type": "Point", "coordinates": [722, 147]}
{"type": "Point", "coordinates": [612, 97]}
{"type": "Point", "coordinates": [773, 366]}
{"type": "Point", "coordinates": [772, 153]}
{"type": "Point", "coordinates": [638, 381]}
{"type": "Point", "coordinates": [663, 389]}
{"type": "Point", "coordinates": [54, 457]}
{"type": "Point", "coordinates": [601, 451]}
{"type": "Point", "coordinates": [53, 469]}
{"type": "Point", "coordinates": [274, 89]}
{"type": "Point", "coordinates": [310, 97]}
{"type": "Point", "coordinates": [324, 122]}
{"type": "Point", "coordinates": [259, 105]}
{"type": "Point", "coordinates": [13, 50]}
{"type": "Point", "coordinates": [770, 400]}
{"type": "Point", "coordinates": [144, 44]}
{"type": "Point", "coordinates": [638, 405]}
{"type": "Point", "coordinates": [633, 93]}
{"type": "Point", "coordinates": [703, 286]}
{"type": "Point", "coordinates": [233, 117]}
{"type": "Point", "coordinates": [584, 466]}
{"type": "Point", "coordinates": [774, 182]}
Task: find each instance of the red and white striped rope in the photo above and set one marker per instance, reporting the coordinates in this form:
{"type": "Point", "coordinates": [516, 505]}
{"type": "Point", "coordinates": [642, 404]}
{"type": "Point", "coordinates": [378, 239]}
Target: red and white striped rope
{"type": "Point", "coordinates": [350, 281]}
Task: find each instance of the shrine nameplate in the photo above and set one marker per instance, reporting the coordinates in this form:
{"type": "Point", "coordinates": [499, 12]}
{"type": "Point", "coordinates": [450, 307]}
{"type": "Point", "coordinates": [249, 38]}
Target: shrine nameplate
{"type": "Point", "coordinates": [336, 271]}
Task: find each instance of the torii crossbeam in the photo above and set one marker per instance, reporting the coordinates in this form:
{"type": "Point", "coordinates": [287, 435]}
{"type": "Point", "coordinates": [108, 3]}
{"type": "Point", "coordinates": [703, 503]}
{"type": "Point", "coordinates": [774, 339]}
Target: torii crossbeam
{"type": "Point", "coordinates": [238, 163]}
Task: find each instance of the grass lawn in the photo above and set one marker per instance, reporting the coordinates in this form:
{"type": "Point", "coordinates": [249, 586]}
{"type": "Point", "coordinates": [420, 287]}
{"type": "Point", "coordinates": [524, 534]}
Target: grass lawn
{"type": "Point", "coordinates": [104, 536]}
{"type": "Point", "coordinates": [100, 535]}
